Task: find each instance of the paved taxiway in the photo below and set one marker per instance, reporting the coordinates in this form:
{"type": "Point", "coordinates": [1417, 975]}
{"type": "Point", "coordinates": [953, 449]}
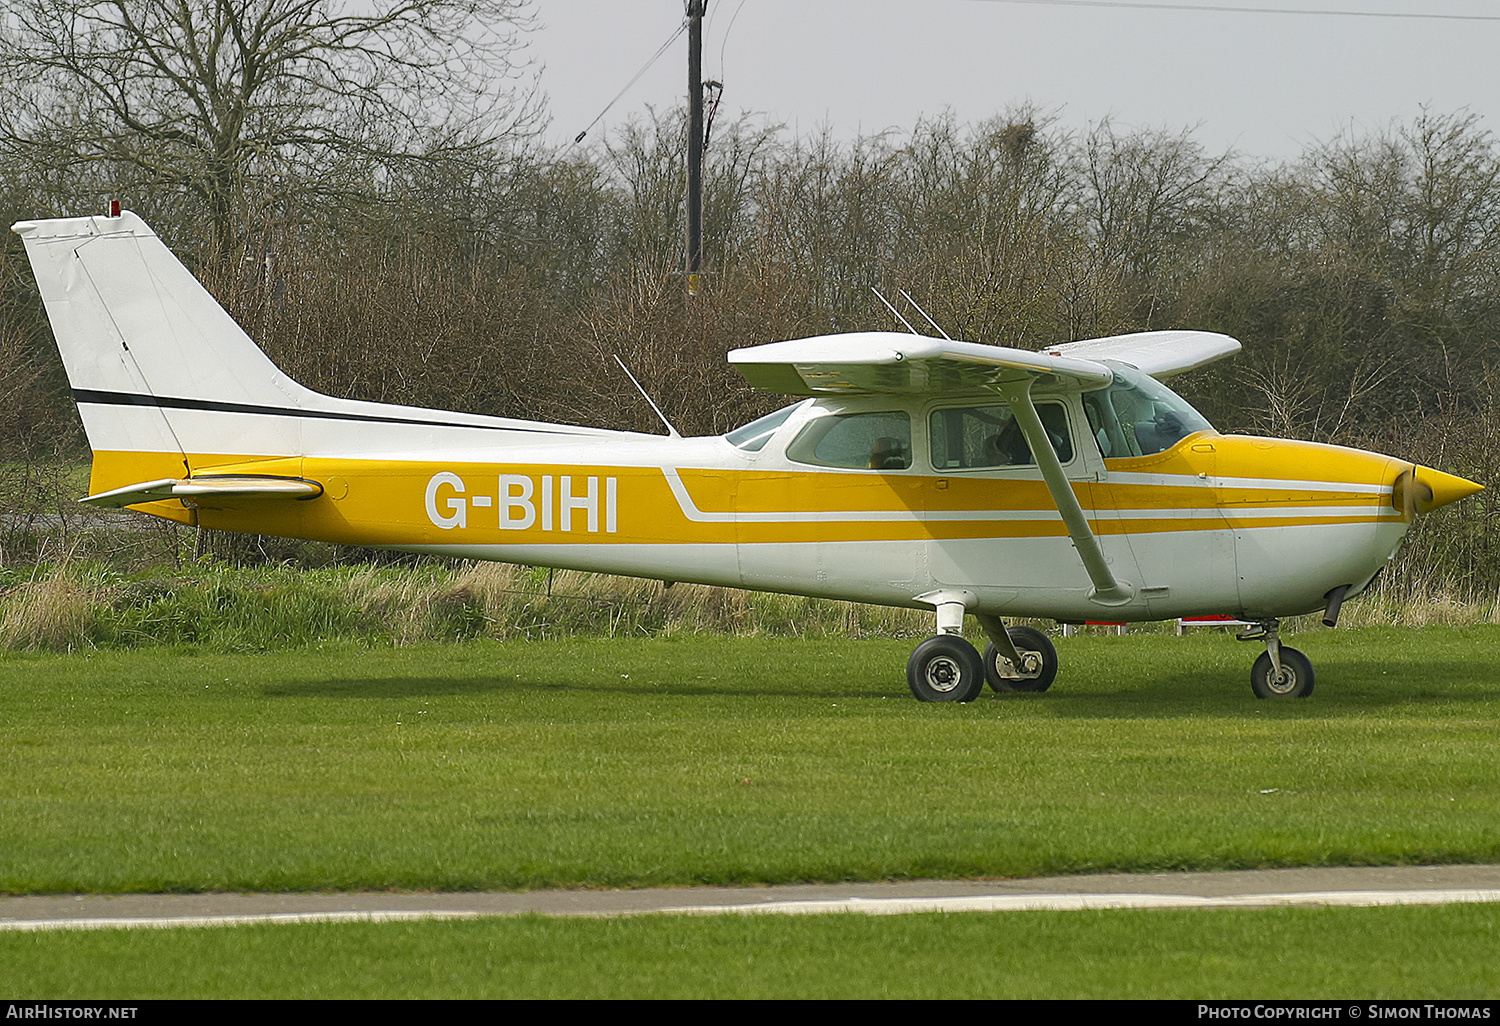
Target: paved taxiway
{"type": "Point", "coordinates": [1368, 885]}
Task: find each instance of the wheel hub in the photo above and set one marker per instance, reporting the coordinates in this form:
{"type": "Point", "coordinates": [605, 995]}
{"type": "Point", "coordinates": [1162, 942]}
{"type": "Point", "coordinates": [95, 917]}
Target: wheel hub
{"type": "Point", "coordinates": [1030, 669]}
{"type": "Point", "coordinates": [1284, 682]}
{"type": "Point", "coordinates": [943, 674]}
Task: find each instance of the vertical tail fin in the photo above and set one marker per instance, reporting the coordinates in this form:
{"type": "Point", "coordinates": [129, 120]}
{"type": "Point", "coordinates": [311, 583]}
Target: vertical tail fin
{"type": "Point", "coordinates": [168, 385]}
{"type": "Point", "coordinates": [153, 360]}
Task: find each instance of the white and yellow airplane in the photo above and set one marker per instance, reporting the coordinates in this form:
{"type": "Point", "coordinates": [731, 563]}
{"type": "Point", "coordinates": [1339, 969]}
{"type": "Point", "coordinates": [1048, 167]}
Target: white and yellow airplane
{"type": "Point", "coordinates": [920, 472]}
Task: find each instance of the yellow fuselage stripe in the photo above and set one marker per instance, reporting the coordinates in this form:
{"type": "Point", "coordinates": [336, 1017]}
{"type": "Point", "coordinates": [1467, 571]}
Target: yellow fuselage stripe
{"type": "Point", "coordinates": [421, 503]}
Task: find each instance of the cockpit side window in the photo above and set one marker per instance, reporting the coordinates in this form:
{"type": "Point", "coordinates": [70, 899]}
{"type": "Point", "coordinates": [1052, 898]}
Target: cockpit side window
{"type": "Point", "coordinates": [986, 437]}
{"type": "Point", "coordinates": [1138, 415]}
{"type": "Point", "coordinates": [753, 436]}
{"type": "Point", "coordinates": [866, 441]}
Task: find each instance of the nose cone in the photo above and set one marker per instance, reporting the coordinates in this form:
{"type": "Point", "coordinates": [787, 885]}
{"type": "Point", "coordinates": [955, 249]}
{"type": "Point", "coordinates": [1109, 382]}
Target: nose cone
{"type": "Point", "coordinates": [1444, 488]}
{"type": "Point", "coordinates": [1422, 490]}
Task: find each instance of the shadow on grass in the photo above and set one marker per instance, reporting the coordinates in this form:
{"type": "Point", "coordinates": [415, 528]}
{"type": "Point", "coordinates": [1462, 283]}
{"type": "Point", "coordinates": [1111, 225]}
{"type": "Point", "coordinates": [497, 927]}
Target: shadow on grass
{"type": "Point", "coordinates": [427, 687]}
{"type": "Point", "coordinates": [1142, 678]}
{"type": "Point", "coordinates": [1344, 687]}
{"type": "Point", "coordinates": [383, 687]}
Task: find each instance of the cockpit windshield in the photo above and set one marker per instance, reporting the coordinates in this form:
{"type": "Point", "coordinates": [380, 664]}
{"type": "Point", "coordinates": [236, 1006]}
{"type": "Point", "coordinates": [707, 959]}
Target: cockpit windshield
{"type": "Point", "coordinates": [1138, 415]}
{"type": "Point", "coordinates": [754, 435]}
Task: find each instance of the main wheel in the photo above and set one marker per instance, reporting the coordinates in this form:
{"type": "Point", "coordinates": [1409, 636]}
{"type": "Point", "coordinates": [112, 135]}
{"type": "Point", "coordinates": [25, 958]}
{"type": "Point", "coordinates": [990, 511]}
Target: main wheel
{"type": "Point", "coordinates": [945, 669]}
{"type": "Point", "coordinates": [1296, 680]}
{"type": "Point", "coordinates": [1038, 662]}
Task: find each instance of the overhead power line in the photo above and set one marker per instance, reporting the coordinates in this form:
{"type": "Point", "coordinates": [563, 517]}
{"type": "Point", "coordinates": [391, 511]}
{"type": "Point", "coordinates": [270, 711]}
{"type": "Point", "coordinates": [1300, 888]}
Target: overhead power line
{"type": "Point", "coordinates": [644, 68]}
{"type": "Point", "coordinates": [1227, 9]}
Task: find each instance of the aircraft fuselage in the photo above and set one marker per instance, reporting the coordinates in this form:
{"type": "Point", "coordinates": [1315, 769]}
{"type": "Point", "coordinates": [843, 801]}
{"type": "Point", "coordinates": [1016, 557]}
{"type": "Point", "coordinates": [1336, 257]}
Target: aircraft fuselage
{"type": "Point", "coordinates": [1214, 524]}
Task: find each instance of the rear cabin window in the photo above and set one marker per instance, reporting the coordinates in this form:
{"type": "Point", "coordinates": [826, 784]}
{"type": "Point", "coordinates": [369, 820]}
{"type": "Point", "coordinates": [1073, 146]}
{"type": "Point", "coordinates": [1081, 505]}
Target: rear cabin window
{"type": "Point", "coordinates": [988, 437]}
{"type": "Point", "coordinates": [864, 441]}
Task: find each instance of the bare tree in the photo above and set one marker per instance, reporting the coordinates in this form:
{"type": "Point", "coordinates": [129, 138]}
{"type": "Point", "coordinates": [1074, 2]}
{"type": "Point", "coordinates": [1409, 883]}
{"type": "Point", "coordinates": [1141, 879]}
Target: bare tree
{"type": "Point", "coordinates": [233, 102]}
{"type": "Point", "coordinates": [1146, 192]}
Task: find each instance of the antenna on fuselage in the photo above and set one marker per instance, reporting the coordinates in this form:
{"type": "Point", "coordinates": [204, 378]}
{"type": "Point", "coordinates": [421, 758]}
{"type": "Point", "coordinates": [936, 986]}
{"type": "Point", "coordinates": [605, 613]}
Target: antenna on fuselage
{"type": "Point", "coordinates": [894, 312]}
{"type": "Point", "coordinates": [671, 431]}
{"type": "Point", "coordinates": [924, 313]}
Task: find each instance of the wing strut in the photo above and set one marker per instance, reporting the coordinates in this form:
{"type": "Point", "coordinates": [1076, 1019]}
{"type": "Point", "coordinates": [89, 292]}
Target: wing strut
{"type": "Point", "coordinates": [1107, 590]}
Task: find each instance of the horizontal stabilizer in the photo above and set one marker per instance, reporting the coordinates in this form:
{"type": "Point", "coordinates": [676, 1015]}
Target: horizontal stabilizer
{"type": "Point", "coordinates": [219, 486]}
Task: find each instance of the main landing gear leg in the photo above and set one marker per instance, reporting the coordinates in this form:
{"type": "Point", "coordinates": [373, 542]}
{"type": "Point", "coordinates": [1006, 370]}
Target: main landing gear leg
{"type": "Point", "coordinates": [946, 668]}
{"type": "Point", "coordinates": [1018, 658]}
{"type": "Point", "coordinates": [1280, 672]}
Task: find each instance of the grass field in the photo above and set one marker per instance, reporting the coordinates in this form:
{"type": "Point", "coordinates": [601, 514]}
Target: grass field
{"type": "Point", "coordinates": [629, 762]}
{"type": "Point", "coordinates": [723, 760]}
{"type": "Point", "coordinates": [1445, 952]}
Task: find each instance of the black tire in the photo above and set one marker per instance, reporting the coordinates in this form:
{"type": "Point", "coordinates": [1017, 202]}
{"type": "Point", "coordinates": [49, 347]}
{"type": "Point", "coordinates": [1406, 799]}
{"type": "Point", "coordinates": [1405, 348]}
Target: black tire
{"type": "Point", "coordinates": [945, 669]}
{"type": "Point", "coordinates": [1296, 676]}
{"type": "Point", "coordinates": [1003, 677]}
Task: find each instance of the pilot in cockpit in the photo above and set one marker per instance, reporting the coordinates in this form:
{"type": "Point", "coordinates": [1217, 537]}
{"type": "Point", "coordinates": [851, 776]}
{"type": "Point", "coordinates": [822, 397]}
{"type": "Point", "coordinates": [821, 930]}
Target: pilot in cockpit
{"type": "Point", "coordinates": [888, 453]}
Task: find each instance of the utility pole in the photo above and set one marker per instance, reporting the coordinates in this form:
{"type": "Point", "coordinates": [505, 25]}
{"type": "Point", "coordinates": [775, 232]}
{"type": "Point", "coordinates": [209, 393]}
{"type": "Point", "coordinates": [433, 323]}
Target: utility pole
{"type": "Point", "coordinates": [695, 12]}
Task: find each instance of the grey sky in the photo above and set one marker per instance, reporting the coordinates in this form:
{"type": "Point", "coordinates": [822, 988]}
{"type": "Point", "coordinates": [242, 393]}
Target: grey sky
{"type": "Point", "coordinates": [1262, 84]}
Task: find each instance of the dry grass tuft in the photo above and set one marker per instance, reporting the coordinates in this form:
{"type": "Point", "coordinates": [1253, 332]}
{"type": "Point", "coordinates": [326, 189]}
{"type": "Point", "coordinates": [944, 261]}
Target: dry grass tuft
{"type": "Point", "coordinates": [1436, 604]}
{"type": "Point", "coordinates": [284, 606]}
{"type": "Point", "coordinates": [50, 613]}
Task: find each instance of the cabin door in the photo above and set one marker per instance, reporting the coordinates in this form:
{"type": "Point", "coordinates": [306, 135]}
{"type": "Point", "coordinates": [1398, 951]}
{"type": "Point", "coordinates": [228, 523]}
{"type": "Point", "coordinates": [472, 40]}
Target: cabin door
{"type": "Point", "coordinates": [993, 523]}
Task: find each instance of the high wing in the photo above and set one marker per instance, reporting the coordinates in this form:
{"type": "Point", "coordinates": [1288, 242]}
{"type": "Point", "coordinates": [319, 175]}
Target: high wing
{"type": "Point", "coordinates": [890, 363]}
{"type": "Point", "coordinates": [1157, 353]}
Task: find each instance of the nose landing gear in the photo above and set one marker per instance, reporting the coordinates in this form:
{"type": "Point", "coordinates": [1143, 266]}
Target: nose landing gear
{"type": "Point", "coordinates": [1280, 672]}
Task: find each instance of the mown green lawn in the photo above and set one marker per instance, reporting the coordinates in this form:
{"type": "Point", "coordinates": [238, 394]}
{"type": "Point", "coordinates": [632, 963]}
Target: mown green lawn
{"type": "Point", "coordinates": [1364, 954]}
{"type": "Point", "coordinates": [722, 760]}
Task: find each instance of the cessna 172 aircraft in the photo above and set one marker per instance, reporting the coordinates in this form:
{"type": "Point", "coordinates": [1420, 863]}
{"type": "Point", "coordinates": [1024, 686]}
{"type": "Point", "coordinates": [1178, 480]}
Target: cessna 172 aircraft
{"type": "Point", "coordinates": [921, 472]}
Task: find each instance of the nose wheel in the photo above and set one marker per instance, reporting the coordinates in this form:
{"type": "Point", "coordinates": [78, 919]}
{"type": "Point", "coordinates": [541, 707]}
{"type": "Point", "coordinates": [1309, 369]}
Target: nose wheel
{"type": "Point", "coordinates": [1279, 672]}
{"type": "Point", "coordinates": [1294, 680]}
